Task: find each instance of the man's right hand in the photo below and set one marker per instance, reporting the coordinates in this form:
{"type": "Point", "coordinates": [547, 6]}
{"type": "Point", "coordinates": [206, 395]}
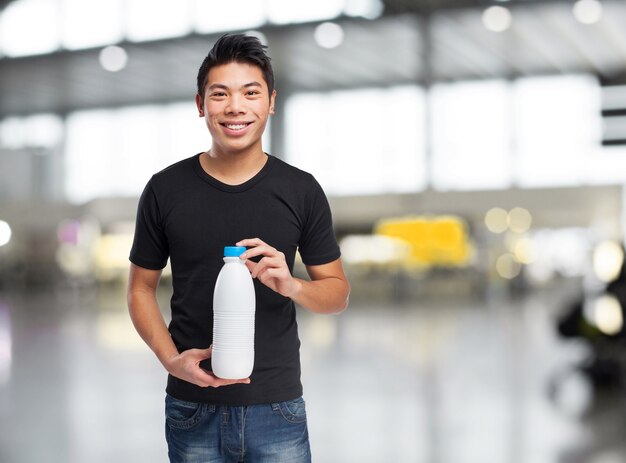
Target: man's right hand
{"type": "Point", "coordinates": [186, 366]}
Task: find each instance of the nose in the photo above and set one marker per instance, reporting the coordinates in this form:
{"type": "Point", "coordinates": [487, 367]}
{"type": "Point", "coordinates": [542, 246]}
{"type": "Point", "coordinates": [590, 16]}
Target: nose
{"type": "Point", "coordinates": [235, 105]}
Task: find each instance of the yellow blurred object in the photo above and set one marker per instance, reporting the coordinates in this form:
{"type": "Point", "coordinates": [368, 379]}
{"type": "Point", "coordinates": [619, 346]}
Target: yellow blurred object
{"type": "Point", "coordinates": [436, 241]}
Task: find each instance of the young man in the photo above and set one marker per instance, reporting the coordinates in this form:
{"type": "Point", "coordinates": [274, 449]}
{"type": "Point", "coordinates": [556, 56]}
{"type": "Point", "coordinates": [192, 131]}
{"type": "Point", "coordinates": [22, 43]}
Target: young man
{"type": "Point", "coordinates": [234, 193]}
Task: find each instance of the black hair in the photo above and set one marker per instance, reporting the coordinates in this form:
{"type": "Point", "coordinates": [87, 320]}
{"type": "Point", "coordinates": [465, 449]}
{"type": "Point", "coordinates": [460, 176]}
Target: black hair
{"type": "Point", "coordinates": [236, 48]}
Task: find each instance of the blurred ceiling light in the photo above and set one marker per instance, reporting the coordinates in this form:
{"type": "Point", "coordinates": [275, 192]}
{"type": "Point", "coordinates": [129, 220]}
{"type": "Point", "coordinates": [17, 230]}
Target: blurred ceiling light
{"type": "Point", "coordinates": [608, 258]}
{"type": "Point", "coordinates": [607, 315]}
{"type": "Point", "coordinates": [113, 58]}
{"type": "Point", "coordinates": [329, 35]}
{"type": "Point", "coordinates": [519, 220]}
{"type": "Point", "coordinates": [29, 27]}
{"type": "Point", "coordinates": [497, 220]}
{"type": "Point", "coordinates": [524, 251]}
{"type": "Point", "coordinates": [497, 18]}
{"type": "Point", "coordinates": [587, 11]}
{"type": "Point", "coordinates": [368, 9]}
{"type": "Point", "coordinates": [5, 233]}
{"type": "Point", "coordinates": [507, 267]}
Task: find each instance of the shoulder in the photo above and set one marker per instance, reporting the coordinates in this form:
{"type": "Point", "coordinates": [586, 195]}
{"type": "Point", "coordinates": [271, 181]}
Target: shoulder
{"type": "Point", "coordinates": [174, 173]}
{"type": "Point", "coordinates": [296, 177]}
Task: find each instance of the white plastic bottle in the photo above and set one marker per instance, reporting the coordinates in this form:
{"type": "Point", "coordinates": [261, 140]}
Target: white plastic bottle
{"type": "Point", "coordinates": [234, 306]}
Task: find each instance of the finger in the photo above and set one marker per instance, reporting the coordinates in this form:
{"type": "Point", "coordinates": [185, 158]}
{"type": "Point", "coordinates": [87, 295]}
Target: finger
{"type": "Point", "coordinates": [198, 354]}
{"type": "Point", "coordinates": [203, 378]}
{"type": "Point", "coordinates": [251, 242]}
{"type": "Point", "coordinates": [264, 250]}
{"type": "Point", "coordinates": [250, 264]}
{"type": "Point", "coordinates": [265, 263]}
{"type": "Point", "coordinates": [270, 272]}
{"type": "Point", "coordinates": [228, 382]}
{"type": "Point", "coordinates": [273, 270]}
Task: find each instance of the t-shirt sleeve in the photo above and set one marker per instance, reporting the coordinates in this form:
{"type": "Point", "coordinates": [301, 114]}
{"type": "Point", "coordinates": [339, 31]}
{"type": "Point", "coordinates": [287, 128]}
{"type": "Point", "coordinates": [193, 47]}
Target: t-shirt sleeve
{"type": "Point", "coordinates": [318, 244]}
{"type": "Point", "coordinates": [150, 248]}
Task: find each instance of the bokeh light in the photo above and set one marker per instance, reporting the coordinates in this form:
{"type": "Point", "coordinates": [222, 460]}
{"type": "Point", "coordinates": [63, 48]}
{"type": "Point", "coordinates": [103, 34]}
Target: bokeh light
{"type": "Point", "coordinates": [525, 251]}
{"type": "Point", "coordinates": [608, 258]}
{"type": "Point", "coordinates": [607, 315]}
{"type": "Point", "coordinates": [497, 18]}
{"type": "Point", "coordinates": [587, 11]}
{"type": "Point", "coordinates": [507, 266]}
{"type": "Point", "coordinates": [497, 220]}
{"type": "Point", "coordinates": [5, 233]}
{"type": "Point", "coordinates": [113, 58]}
{"type": "Point", "coordinates": [329, 35]}
{"type": "Point", "coordinates": [519, 220]}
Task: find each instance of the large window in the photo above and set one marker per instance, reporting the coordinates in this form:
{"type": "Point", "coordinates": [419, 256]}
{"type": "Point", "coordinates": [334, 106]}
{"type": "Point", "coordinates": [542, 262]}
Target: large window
{"type": "Point", "coordinates": [30, 27]}
{"type": "Point", "coordinates": [114, 153]}
{"type": "Point", "coordinates": [359, 141]}
{"type": "Point", "coordinates": [91, 23]}
{"type": "Point", "coordinates": [471, 136]}
{"type": "Point", "coordinates": [557, 131]}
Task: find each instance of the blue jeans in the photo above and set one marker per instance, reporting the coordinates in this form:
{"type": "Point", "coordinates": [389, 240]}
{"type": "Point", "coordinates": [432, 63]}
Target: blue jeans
{"type": "Point", "coordinates": [207, 433]}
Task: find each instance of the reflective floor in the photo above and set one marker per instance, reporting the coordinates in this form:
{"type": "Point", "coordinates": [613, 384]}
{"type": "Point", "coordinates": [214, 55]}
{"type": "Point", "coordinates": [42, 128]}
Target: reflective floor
{"type": "Point", "coordinates": [435, 381]}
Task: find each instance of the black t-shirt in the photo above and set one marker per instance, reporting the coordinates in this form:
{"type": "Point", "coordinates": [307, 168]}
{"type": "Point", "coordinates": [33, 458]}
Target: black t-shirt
{"type": "Point", "coordinates": [189, 216]}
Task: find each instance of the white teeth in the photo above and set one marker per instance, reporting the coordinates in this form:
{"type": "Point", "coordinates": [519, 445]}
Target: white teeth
{"type": "Point", "coordinates": [236, 127]}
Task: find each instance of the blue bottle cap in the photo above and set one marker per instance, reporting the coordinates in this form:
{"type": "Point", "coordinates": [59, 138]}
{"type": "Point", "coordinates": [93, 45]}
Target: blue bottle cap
{"type": "Point", "coordinates": [234, 251]}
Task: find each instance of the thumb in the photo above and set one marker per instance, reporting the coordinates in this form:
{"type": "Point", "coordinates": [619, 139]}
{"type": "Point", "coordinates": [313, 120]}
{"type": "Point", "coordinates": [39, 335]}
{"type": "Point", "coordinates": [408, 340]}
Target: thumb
{"type": "Point", "coordinates": [208, 352]}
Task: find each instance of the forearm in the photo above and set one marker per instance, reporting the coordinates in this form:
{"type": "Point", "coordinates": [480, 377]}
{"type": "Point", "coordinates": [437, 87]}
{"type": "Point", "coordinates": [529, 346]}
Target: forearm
{"type": "Point", "coordinates": [149, 323]}
{"type": "Point", "coordinates": [328, 295]}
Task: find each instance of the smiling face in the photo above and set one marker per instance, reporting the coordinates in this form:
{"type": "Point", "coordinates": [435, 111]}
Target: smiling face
{"type": "Point", "coordinates": [235, 107]}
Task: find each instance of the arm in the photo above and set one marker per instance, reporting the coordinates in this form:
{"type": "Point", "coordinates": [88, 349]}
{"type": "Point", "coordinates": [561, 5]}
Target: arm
{"type": "Point", "coordinates": [327, 292]}
{"type": "Point", "coordinates": [149, 323]}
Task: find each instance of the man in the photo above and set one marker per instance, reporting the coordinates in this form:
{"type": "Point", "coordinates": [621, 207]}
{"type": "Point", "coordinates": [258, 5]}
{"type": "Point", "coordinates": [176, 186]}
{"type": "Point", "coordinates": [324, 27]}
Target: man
{"type": "Point", "coordinates": [234, 193]}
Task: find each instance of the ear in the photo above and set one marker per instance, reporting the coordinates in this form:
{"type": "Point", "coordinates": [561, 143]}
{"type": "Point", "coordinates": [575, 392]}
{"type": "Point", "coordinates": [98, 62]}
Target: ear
{"type": "Point", "coordinates": [200, 105]}
{"type": "Point", "coordinates": [272, 101]}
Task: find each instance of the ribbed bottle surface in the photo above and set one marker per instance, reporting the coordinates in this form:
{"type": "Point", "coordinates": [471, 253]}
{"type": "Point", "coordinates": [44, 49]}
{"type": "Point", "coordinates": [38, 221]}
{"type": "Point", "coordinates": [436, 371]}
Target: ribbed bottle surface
{"type": "Point", "coordinates": [234, 305]}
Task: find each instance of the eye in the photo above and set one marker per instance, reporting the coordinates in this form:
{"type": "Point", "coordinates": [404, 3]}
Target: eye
{"type": "Point", "coordinates": [218, 94]}
{"type": "Point", "coordinates": [253, 93]}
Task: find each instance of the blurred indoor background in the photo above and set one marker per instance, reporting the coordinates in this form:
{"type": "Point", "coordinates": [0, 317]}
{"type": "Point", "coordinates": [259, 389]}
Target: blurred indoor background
{"type": "Point", "coordinates": [474, 154]}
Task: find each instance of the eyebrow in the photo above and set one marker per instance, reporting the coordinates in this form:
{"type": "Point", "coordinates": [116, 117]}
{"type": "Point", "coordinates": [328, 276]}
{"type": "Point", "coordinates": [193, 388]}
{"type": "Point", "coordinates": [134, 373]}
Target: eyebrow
{"type": "Point", "coordinates": [225, 87]}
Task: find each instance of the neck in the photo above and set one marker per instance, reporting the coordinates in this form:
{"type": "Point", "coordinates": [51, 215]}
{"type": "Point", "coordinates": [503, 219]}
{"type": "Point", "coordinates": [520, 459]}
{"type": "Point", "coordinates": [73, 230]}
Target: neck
{"type": "Point", "coordinates": [233, 168]}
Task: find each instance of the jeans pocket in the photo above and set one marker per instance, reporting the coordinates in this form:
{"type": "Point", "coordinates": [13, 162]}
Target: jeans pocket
{"type": "Point", "coordinates": [294, 411]}
{"type": "Point", "coordinates": [182, 414]}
